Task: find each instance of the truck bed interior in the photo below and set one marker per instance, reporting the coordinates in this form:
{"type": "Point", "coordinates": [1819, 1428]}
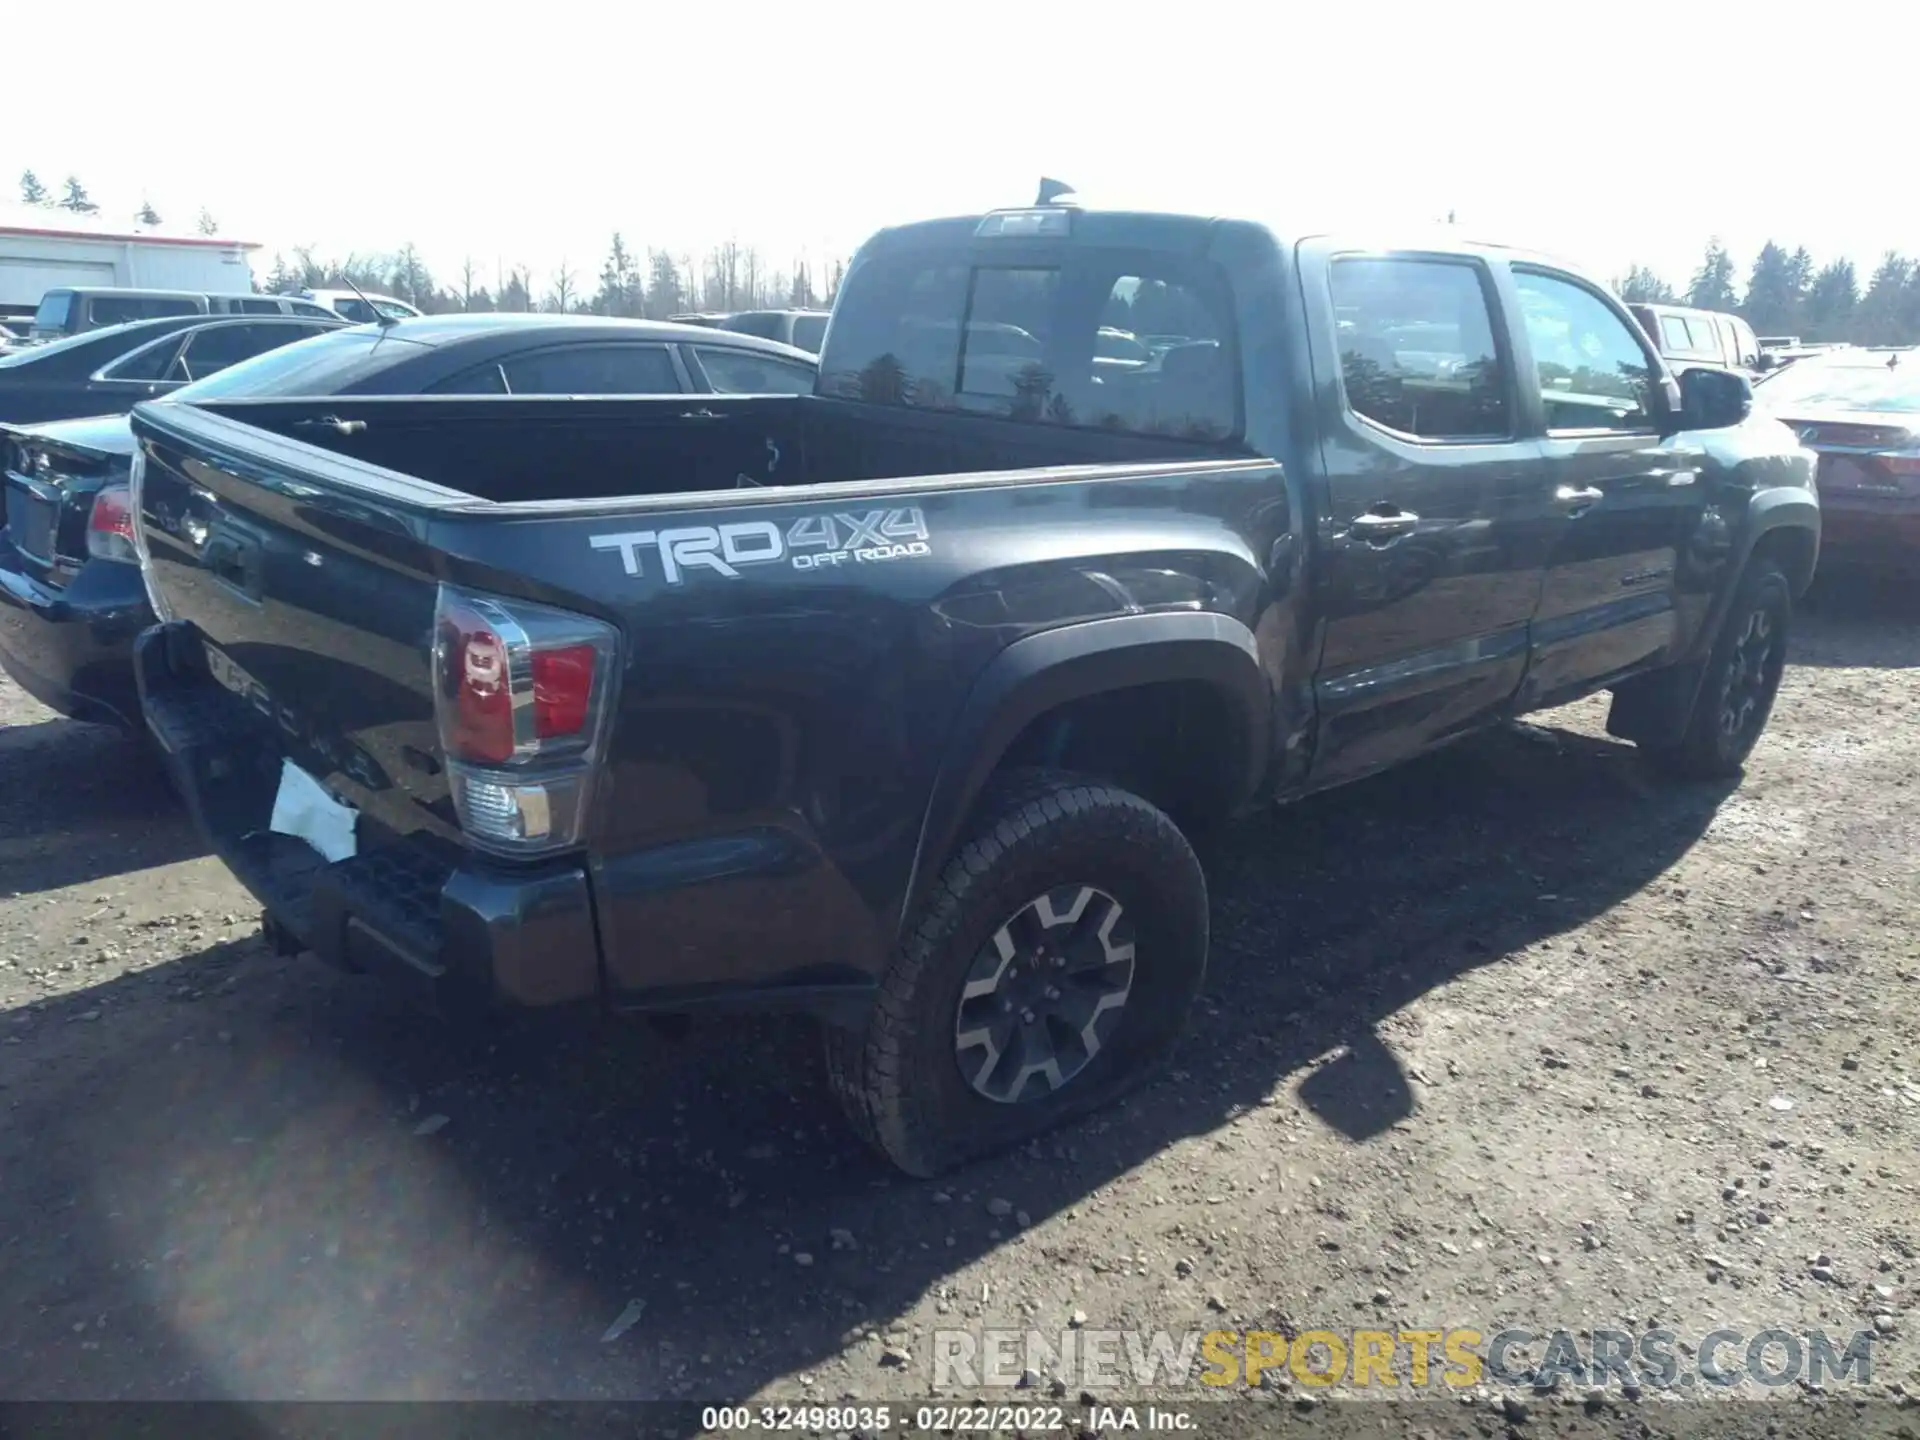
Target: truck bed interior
{"type": "Point", "coordinates": [520, 449]}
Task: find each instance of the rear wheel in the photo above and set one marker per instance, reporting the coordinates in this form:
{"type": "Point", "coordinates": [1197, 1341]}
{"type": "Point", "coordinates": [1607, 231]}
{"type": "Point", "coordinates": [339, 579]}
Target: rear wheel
{"type": "Point", "coordinates": [1052, 964]}
{"type": "Point", "coordinates": [1742, 677]}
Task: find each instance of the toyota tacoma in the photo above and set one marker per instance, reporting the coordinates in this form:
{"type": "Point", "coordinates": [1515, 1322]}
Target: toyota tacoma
{"type": "Point", "coordinates": [888, 704]}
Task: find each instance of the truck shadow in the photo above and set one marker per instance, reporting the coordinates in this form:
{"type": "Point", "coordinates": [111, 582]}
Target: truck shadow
{"type": "Point", "coordinates": [83, 803]}
{"type": "Point", "coordinates": [285, 1183]}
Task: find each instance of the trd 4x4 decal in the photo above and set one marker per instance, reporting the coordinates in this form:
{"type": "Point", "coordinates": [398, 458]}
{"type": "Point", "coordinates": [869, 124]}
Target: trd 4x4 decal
{"type": "Point", "coordinates": [813, 542]}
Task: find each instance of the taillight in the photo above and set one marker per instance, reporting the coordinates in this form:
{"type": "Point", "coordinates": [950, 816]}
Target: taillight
{"type": "Point", "coordinates": [522, 694]}
{"type": "Point", "coordinates": [1903, 465]}
{"type": "Point", "coordinates": [110, 526]}
{"type": "Point", "coordinates": [136, 478]}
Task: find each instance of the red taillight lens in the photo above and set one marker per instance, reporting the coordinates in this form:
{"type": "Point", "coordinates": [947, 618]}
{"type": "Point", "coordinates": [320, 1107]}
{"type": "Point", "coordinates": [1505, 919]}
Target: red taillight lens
{"type": "Point", "coordinates": [110, 526]}
{"type": "Point", "coordinates": [562, 688]}
{"type": "Point", "coordinates": [476, 677]}
{"type": "Point", "coordinates": [1907, 466]}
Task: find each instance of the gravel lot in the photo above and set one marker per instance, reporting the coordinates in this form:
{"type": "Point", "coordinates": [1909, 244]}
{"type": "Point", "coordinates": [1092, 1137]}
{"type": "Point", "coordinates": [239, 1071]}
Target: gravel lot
{"type": "Point", "coordinates": [1513, 1036]}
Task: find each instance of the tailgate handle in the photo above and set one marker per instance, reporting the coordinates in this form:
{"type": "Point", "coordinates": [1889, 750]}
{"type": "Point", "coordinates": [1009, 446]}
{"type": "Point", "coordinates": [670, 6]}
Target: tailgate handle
{"type": "Point", "coordinates": [236, 560]}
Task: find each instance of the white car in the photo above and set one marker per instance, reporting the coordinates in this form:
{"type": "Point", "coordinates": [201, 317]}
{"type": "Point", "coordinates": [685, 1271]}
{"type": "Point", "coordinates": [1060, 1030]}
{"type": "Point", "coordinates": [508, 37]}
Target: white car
{"type": "Point", "coordinates": [350, 306]}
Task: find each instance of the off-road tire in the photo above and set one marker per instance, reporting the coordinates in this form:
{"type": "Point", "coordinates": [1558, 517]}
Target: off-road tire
{"type": "Point", "coordinates": [899, 1079]}
{"type": "Point", "coordinates": [1709, 750]}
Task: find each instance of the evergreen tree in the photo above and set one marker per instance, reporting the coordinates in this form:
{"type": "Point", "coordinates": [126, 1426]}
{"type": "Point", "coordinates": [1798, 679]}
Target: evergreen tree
{"type": "Point", "coordinates": [666, 295]}
{"type": "Point", "coordinates": [1882, 308]}
{"type": "Point", "coordinates": [621, 291]}
{"type": "Point", "coordinates": [1831, 299]}
{"type": "Point", "coordinates": [800, 297]}
{"type": "Point", "coordinates": [1909, 326]}
{"type": "Point", "coordinates": [1772, 301]}
{"type": "Point", "coordinates": [207, 224]}
{"type": "Point", "coordinates": [1800, 274]}
{"type": "Point", "coordinates": [32, 191]}
{"type": "Point", "coordinates": [146, 214]}
{"type": "Point", "coordinates": [516, 295]}
{"type": "Point", "coordinates": [282, 279]}
{"type": "Point", "coordinates": [1640, 286]}
{"type": "Point", "coordinates": [77, 199]}
{"type": "Point", "coordinates": [1712, 287]}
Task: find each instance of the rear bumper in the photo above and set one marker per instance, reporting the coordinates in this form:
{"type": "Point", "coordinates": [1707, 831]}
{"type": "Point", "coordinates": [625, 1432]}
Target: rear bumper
{"type": "Point", "coordinates": [71, 648]}
{"type": "Point", "coordinates": [460, 937]}
{"type": "Point", "coordinates": [1880, 537]}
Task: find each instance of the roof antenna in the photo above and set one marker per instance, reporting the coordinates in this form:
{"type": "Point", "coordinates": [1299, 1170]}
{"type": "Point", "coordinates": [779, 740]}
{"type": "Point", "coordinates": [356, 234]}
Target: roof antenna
{"type": "Point", "coordinates": [380, 317]}
{"type": "Point", "coordinates": [1052, 190]}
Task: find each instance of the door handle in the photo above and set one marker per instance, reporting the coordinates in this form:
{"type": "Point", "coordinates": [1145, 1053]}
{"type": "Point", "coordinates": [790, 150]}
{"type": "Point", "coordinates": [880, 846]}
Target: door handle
{"type": "Point", "coordinates": [1580, 499]}
{"type": "Point", "coordinates": [1378, 529]}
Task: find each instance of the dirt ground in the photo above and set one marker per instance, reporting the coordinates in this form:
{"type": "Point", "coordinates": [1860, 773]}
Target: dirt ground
{"type": "Point", "coordinates": [1515, 1036]}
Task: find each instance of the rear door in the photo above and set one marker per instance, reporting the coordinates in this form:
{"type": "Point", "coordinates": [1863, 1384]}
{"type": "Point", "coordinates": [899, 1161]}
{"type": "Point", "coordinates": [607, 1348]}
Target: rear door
{"type": "Point", "coordinates": [1435, 525]}
{"type": "Point", "coordinates": [1630, 496]}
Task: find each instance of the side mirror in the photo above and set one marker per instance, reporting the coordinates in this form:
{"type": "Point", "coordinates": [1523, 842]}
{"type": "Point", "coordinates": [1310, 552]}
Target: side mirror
{"type": "Point", "coordinates": [1713, 399]}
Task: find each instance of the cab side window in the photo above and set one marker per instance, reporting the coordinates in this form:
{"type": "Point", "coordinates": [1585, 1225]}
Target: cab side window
{"type": "Point", "coordinates": [1593, 371]}
{"type": "Point", "coordinates": [1417, 349]}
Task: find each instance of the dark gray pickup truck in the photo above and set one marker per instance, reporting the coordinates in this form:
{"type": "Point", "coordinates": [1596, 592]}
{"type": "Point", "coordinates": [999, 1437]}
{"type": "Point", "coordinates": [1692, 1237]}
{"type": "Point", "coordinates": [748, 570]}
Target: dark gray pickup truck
{"type": "Point", "coordinates": [885, 703]}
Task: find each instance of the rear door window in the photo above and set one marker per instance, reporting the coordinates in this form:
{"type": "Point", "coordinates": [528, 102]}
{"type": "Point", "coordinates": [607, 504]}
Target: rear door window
{"type": "Point", "coordinates": [594, 370]}
{"type": "Point", "coordinates": [746, 372]}
{"type": "Point", "coordinates": [210, 351]}
{"type": "Point", "coordinates": [1417, 351]}
{"type": "Point", "coordinates": [151, 362]}
{"type": "Point", "coordinates": [1674, 336]}
{"type": "Point", "coordinates": [1024, 340]}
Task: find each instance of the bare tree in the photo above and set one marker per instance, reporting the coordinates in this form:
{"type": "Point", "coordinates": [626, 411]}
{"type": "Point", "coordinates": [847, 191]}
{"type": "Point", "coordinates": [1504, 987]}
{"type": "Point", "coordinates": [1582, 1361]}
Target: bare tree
{"type": "Point", "coordinates": [750, 278]}
{"type": "Point", "coordinates": [466, 283]}
{"type": "Point", "coordinates": [561, 297]}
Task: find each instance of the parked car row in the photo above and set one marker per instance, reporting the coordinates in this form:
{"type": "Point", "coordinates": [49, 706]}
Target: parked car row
{"type": "Point", "coordinates": [1858, 409]}
{"type": "Point", "coordinates": [70, 311]}
{"type": "Point", "coordinates": [70, 595]}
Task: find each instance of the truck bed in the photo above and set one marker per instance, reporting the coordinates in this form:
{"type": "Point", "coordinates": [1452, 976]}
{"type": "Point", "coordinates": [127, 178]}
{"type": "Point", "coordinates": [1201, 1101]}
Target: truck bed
{"type": "Point", "coordinates": [513, 451]}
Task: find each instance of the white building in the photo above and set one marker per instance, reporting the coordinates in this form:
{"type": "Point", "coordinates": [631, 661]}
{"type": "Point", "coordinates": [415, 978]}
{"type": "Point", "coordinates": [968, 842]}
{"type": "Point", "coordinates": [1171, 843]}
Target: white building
{"type": "Point", "coordinates": [44, 248]}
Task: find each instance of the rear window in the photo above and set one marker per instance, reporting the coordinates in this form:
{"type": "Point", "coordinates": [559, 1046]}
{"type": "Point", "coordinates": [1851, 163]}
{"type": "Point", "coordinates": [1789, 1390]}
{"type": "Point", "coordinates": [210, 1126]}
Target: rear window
{"type": "Point", "coordinates": [766, 326]}
{"type": "Point", "coordinates": [1868, 382]}
{"type": "Point", "coordinates": [1042, 343]}
{"type": "Point", "coordinates": [325, 365]}
{"type": "Point", "coordinates": [809, 332]}
{"type": "Point", "coordinates": [119, 309]}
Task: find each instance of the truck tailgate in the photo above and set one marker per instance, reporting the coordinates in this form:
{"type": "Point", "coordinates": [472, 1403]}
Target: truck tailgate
{"type": "Point", "coordinates": [313, 602]}
{"type": "Point", "coordinates": [297, 592]}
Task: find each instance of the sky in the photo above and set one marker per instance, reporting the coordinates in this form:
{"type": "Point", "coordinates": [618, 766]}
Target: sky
{"type": "Point", "coordinates": [528, 135]}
